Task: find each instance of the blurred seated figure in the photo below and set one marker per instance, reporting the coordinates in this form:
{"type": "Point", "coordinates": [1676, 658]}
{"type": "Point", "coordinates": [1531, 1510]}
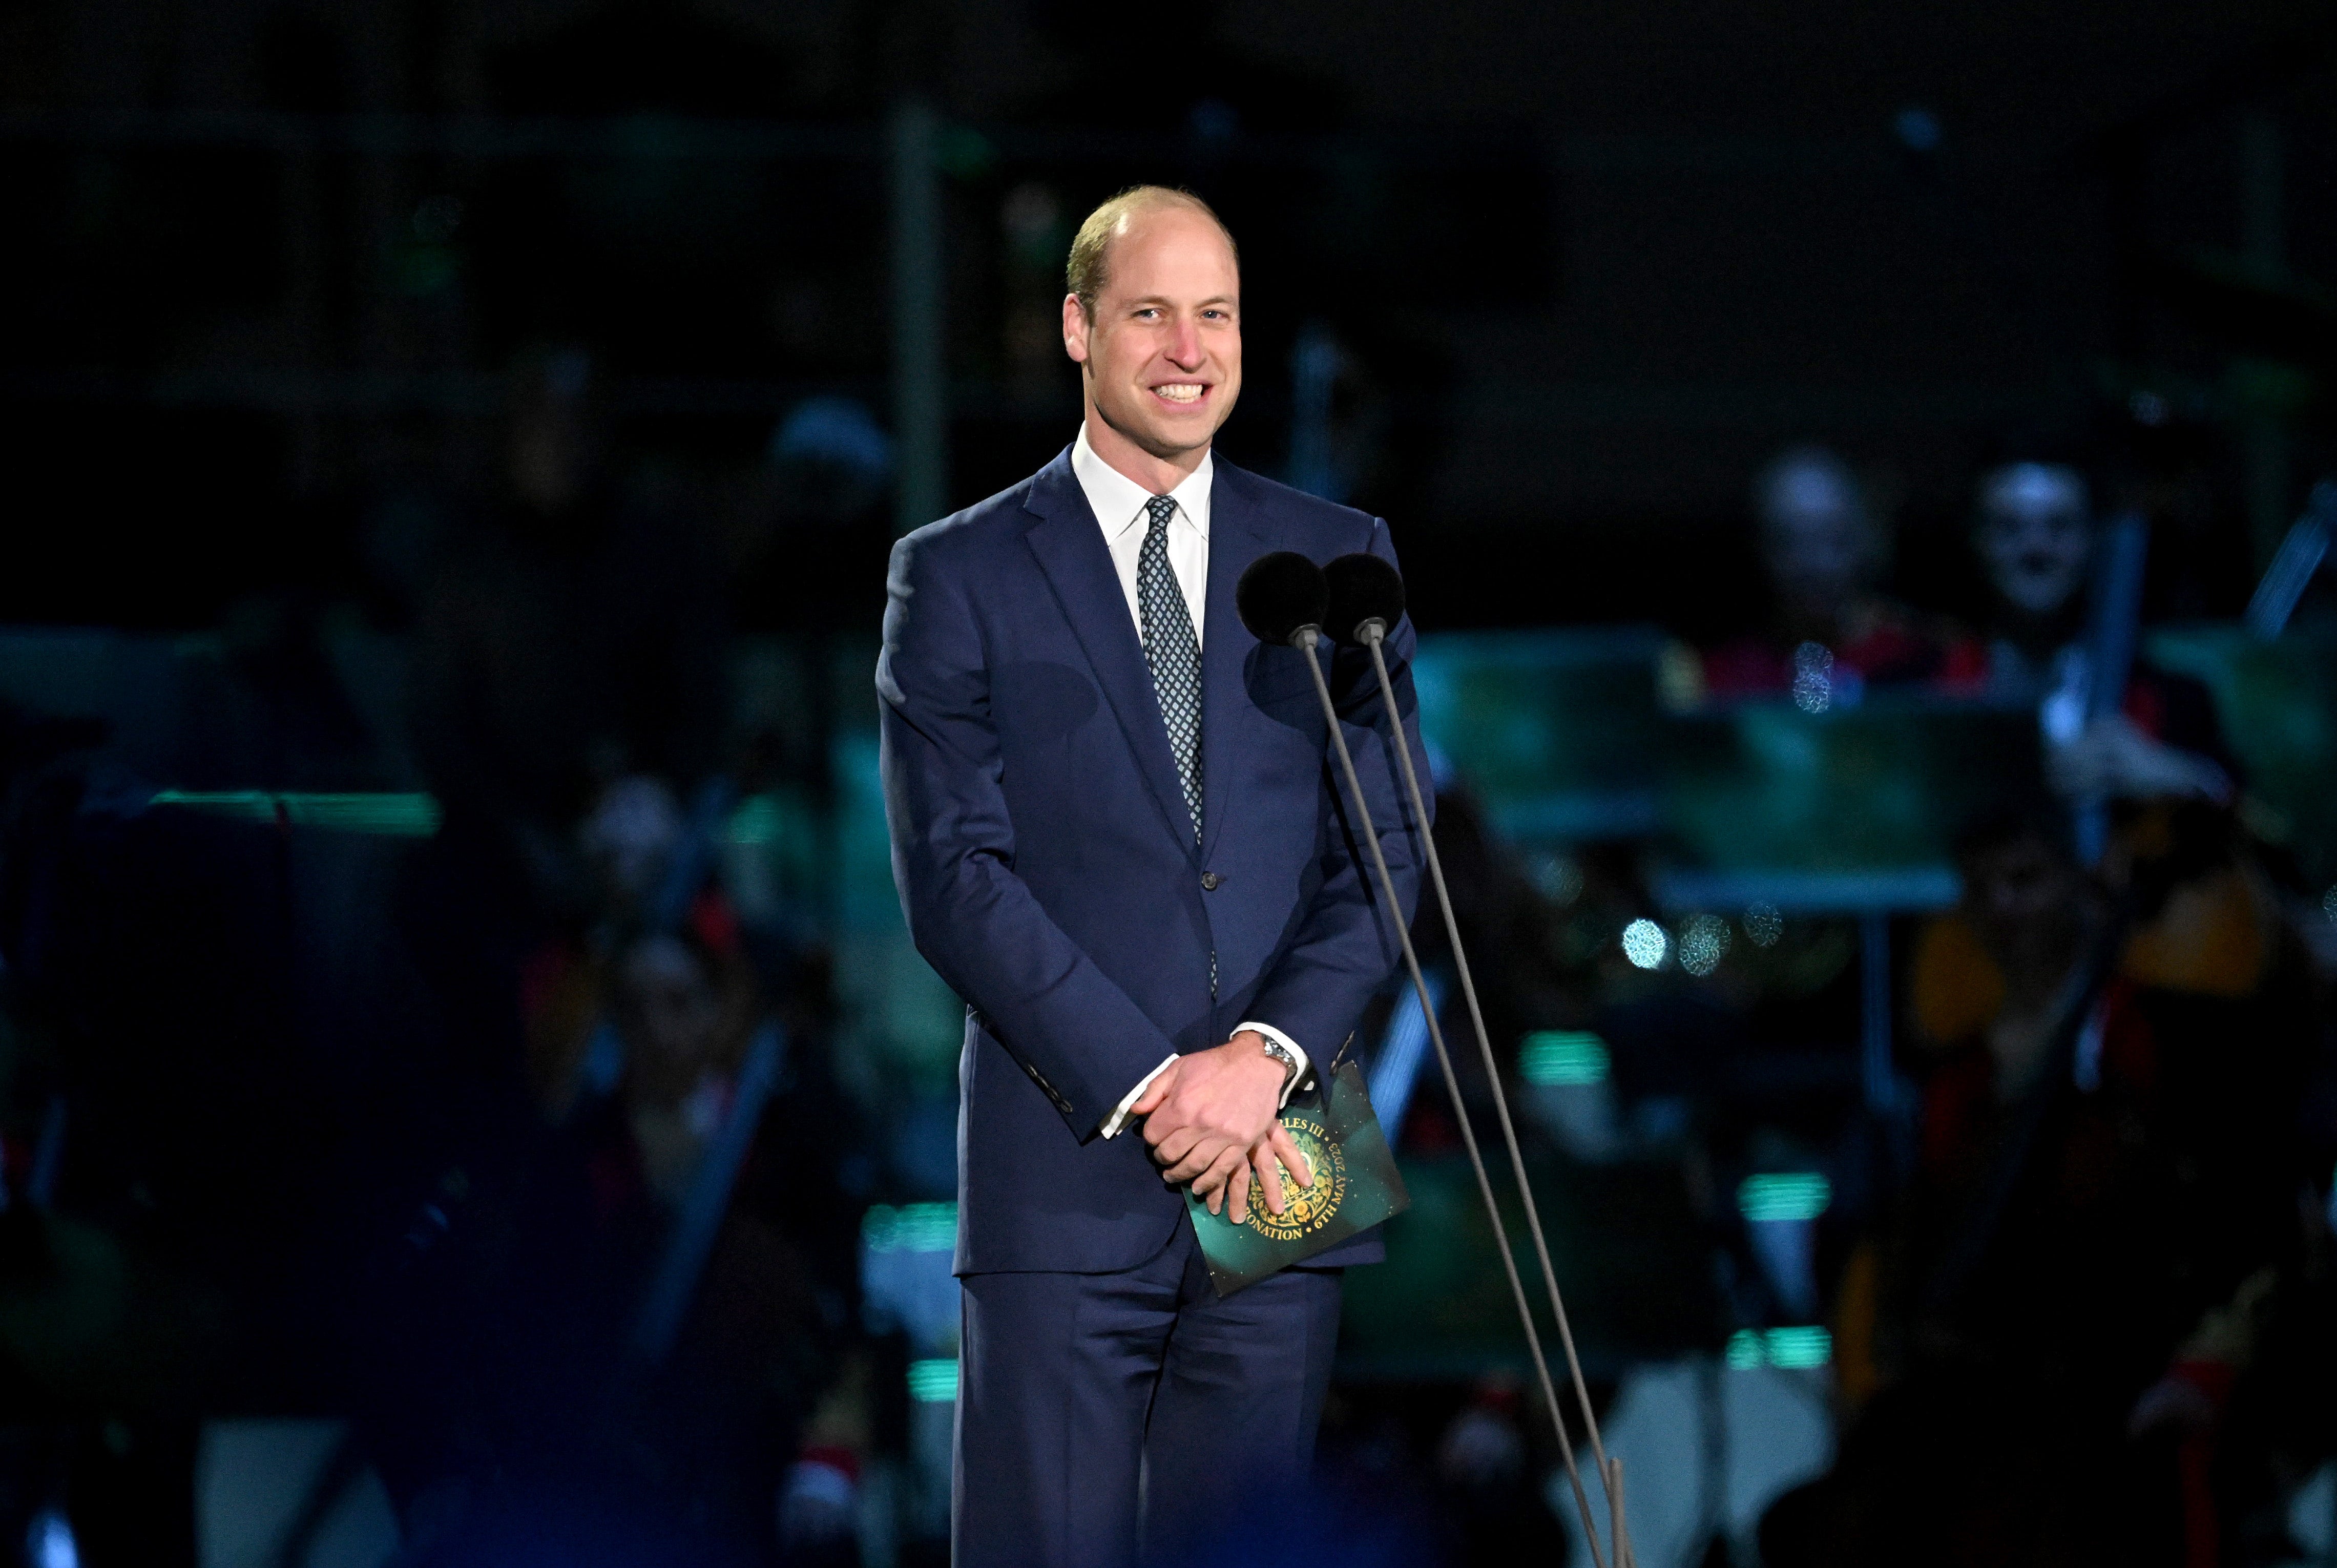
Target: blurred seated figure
{"type": "Point", "coordinates": [678, 1169]}
{"type": "Point", "coordinates": [2203, 919]}
{"type": "Point", "coordinates": [1991, 989]}
{"type": "Point", "coordinates": [685, 1025]}
{"type": "Point", "coordinates": [2035, 536]}
{"type": "Point", "coordinates": [1832, 632]}
{"type": "Point", "coordinates": [2107, 1157]}
{"type": "Point", "coordinates": [668, 1128]}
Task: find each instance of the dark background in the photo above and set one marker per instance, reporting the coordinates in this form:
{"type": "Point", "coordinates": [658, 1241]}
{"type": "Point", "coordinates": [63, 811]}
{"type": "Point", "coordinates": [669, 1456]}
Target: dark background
{"type": "Point", "coordinates": [1590, 264]}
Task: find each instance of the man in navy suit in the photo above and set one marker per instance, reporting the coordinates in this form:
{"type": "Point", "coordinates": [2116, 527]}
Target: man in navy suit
{"type": "Point", "coordinates": [1117, 836]}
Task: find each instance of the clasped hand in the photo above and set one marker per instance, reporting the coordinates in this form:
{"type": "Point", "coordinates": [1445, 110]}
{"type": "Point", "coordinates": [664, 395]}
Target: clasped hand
{"type": "Point", "coordinates": [1213, 1118]}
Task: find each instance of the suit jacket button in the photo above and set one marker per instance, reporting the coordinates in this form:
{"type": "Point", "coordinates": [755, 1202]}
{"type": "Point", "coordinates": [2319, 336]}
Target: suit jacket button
{"type": "Point", "coordinates": [1209, 880]}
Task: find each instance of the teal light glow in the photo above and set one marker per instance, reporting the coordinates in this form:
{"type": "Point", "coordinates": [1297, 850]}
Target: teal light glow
{"type": "Point", "coordinates": [1784, 1195]}
{"type": "Point", "coordinates": [1560, 1057]}
{"type": "Point", "coordinates": [758, 821]}
{"type": "Point", "coordinates": [933, 1382]}
{"type": "Point", "coordinates": [247, 805]}
{"type": "Point", "coordinates": [911, 1228]}
{"type": "Point", "coordinates": [1793, 1349]}
{"type": "Point", "coordinates": [394, 816]}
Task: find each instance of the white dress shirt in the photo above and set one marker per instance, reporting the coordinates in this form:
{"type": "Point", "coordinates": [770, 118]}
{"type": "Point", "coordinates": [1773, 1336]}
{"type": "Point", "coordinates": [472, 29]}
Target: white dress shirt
{"type": "Point", "coordinates": [1118, 505]}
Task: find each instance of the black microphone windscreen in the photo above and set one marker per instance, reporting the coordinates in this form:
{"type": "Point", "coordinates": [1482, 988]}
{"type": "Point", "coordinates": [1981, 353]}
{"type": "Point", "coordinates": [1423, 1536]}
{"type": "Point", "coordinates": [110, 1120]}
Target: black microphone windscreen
{"type": "Point", "coordinates": [1278, 594]}
{"type": "Point", "coordinates": [1362, 587]}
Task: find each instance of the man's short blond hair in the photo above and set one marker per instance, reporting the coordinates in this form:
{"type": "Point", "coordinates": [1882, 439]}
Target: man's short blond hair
{"type": "Point", "coordinates": [1088, 270]}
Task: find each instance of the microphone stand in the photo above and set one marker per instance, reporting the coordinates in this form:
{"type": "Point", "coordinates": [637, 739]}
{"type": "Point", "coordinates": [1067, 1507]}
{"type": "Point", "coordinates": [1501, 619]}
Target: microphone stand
{"type": "Point", "coordinates": [1372, 633]}
{"type": "Point", "coordinates": [1307, 639]}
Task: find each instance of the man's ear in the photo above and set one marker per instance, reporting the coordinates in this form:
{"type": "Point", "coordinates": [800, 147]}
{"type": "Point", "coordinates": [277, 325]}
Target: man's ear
{"type": "Point", "coordinates": [1076, 327]}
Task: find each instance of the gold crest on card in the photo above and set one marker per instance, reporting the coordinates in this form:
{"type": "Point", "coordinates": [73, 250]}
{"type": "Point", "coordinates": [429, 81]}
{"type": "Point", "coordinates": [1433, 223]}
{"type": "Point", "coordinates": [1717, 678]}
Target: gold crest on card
{"type": "Point", "coordinates": [1303, 1209]}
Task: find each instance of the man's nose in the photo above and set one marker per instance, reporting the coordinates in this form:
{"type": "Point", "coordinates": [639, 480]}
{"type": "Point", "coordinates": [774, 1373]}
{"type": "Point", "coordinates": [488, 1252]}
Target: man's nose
{"type": "Point", "coordinates": [1185, 348]}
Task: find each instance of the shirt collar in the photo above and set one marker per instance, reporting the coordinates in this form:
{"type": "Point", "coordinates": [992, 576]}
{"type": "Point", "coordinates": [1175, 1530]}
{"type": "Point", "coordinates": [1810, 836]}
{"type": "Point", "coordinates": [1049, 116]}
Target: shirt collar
{"type": "Point", "coordinates": [1119, 501]}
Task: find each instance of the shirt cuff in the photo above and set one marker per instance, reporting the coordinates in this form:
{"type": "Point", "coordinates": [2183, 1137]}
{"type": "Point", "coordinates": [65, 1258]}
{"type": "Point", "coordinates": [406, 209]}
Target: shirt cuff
{"type": "Point", "coordinates": [1297, 1054]}
{"type": "Point", "coordinates": [1119, 1117]}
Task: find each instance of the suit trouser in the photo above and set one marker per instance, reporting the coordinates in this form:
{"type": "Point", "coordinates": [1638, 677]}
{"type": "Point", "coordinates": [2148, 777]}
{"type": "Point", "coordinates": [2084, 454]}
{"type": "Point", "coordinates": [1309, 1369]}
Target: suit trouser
{"type": "Point", "coordinates": [1102, 1414]}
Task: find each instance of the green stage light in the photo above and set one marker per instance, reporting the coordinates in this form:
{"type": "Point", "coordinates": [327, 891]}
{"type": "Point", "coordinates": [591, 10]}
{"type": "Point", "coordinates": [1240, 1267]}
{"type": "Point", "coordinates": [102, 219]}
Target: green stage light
{"type": "Point", "coordinates": [911, 1228]}
{"type": "Point", "coordinates": [245, 804]}
{"type": "Point", "coordinates": [933, 1382]}
{"type": "Point", "coordinates": [1793, 1349]}
{"type": "Point", "coordinates": [1784, 1195]}
{"type": "Point", "coordinates": [1560, 1056]}
{"type": "Point", "coordinates": [756, 821]}
{"type": "Point", "coordinates": [1796, 1348]}
{"type": "Point", "coordinates": [394, 816]}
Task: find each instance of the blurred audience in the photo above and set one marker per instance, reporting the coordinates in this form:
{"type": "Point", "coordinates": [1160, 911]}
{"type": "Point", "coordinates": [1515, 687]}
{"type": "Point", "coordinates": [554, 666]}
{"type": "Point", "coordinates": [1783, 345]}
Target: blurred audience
{"type": "Point", "coordinates": [2109, 1159]}
{"type": "Point", "coordinates": [516, 1143]}
{"type": "Point", "coordinates": [1831, 631]}
{"type": "Point", "coordinates": [2036, 536]}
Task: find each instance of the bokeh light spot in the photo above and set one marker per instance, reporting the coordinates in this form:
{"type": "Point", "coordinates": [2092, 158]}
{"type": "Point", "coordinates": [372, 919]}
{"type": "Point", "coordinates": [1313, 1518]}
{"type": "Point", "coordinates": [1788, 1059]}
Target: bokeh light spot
{"type": "Point", "coordinates": [1812, 678]}
{"type": "Point", "coordinates": [1703, 942]}
{"type": "Point", "coordinates": [1645, 943]}
{"type": "Point", "coordinates": [1557, 878]}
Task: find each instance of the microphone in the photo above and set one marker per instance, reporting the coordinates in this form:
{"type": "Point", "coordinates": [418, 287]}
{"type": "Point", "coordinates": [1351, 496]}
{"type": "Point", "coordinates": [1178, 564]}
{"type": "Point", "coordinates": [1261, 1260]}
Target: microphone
{"type": "Point", "coordinates": [1280, 597]}
{"type": "Point", "coordinates": [1286, 598]}
{"type": "Point", "coordinates": [1363, 589]}
{"type": "Point", "coordinates": [1366, 600]}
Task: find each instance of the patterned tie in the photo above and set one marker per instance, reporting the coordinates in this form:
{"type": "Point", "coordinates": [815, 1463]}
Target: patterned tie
{"type": "Point", "coordinates": [1172, 651]}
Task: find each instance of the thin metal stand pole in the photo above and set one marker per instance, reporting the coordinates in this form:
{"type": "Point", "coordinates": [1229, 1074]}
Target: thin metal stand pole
{"type": "Point", "coordinates": [1307, 639]}
{"type": "Point", "coordinates": [1373, 636]}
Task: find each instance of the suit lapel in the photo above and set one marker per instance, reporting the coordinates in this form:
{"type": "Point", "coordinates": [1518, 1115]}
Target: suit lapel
{"type": "Point", "coordinates": [1068, 544]}
{"type": "Point", "coordinates": [1235, 540]}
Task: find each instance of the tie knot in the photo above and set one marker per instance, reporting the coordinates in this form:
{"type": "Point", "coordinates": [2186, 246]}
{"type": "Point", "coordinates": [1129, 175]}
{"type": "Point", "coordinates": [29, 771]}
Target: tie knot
{"type": "Point", "coordinates": [1160, 509]}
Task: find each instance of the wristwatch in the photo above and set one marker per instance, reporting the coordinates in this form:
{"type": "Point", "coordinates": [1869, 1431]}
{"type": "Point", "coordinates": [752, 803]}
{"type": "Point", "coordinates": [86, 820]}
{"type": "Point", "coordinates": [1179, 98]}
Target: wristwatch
{"type": "Point", "coordinates": [1281, 1052]}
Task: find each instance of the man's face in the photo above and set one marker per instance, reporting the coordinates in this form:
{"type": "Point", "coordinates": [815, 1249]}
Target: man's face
{"type": "Point", "coordinates": [2025, 901]}
{"type": "Point", "coordinates": [673, 1014]}
{"type": "Point", "coordinates": [2036, 541]}
{"type": "Point", "coordinates": [1161, 358]}
{"type": "Point", "coordinates": [1819, 543]}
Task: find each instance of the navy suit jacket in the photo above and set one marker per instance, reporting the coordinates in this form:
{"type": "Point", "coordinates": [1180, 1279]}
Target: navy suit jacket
{"type": "Point", "coordinates": [1045, 855]}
